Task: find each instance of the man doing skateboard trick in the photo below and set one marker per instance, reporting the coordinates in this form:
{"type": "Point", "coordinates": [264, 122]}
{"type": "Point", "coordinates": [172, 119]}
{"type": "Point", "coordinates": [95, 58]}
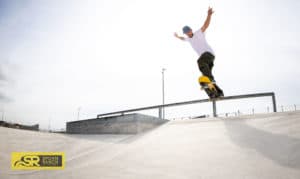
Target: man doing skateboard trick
{"type": "Point", "coordinates": [206, 56]}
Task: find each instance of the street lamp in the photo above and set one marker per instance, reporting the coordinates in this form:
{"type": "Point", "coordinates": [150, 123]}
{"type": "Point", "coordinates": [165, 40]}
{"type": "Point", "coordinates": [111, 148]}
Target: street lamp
{"type": "Point", "coordinates": [49, 124]}
{"type": "Point", "coordinates": [78, 114]}
{"type": "Point", "coordinates": [3, 113]}
{"type": "Point", "coordinates": [163, 92]}
{"type": "Point", "coordinates": [2, 116]}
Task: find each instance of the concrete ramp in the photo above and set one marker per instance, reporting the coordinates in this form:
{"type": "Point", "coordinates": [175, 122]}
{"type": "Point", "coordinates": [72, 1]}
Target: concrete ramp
{"type": "Point", "coordinates": [257, 146]}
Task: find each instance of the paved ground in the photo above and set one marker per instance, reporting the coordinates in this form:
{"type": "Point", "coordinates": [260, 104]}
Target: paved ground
{"type": "Point", "coordinates": [260, 146]}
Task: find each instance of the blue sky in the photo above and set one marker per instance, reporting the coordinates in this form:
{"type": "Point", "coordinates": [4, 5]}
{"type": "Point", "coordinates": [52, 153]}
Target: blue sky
{"type": "Point", "coordinates": [102, 56]}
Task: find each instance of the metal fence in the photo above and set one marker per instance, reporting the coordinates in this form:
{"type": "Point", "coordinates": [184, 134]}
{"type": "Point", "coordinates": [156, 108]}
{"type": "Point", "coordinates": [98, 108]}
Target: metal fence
{"type": "Point", "coordinates": [214, 104]}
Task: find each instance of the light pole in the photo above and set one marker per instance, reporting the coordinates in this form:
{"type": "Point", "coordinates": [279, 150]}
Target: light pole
{"type": "Point", "coordinates": [3, 111]}
{"type": "Point", "coordinates": [163, 92]}
{"type": "Point", "coordinates": [49, 124]}
{"type": "Point", "coordinates": [78, 113]}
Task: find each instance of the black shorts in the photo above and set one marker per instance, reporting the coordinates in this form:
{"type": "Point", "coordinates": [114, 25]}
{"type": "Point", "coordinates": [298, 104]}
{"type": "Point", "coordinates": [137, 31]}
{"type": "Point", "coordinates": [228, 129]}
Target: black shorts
{"type": "Point", "coordinates": [206, 63]}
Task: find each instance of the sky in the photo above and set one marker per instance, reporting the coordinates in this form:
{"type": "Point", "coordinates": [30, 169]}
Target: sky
{"type": "Point", "coordinates": [61, 57]}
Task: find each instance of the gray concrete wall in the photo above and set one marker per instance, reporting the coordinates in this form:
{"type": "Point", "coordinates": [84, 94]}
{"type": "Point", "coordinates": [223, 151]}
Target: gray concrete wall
{"type": "Point", "coordinates": [125, 124]}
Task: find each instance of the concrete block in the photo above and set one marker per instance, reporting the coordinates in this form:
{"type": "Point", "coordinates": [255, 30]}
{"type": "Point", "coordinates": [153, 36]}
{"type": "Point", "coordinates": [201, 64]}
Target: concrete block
{"type": "Point", "coordinates": [123, 124]}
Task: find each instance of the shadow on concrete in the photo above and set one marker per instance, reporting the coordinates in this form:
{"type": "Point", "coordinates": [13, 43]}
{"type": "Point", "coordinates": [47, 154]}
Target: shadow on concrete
{"type": "Point", "coordinates": [284, 150]}
{"type": "Point", "coordinates": [105, 138]}
{"type": "Point", "coordinates": [141, 135]}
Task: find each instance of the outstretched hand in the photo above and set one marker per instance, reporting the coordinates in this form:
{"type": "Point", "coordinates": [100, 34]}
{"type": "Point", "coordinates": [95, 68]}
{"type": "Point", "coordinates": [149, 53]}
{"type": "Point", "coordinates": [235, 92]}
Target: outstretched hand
{"type": "Point", "coordinates": [207, 21]}
{"type": "Point", "coordinates": [210, 11]}
{"type": "Point", "coordinates": [177, 36]}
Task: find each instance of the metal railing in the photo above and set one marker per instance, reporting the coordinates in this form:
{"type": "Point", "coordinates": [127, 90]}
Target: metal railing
{"type": "Point", "coordinates": [214, 104]}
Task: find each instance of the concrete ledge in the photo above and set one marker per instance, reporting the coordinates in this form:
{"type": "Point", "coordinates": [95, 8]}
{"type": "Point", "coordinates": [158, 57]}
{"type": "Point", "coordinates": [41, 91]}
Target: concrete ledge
{"type": "Point", "coordinates": [124, 124]}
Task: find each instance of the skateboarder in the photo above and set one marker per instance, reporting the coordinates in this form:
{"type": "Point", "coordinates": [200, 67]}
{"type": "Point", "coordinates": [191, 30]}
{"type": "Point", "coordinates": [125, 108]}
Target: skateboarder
{"type": "Point", "coordinates": [200, 45]}
{"type": "Point", "coordinates": [198, 42]}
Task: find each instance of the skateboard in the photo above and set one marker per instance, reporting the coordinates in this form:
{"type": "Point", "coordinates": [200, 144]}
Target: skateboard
{"type": "Point", "coordinates": [212, 89]}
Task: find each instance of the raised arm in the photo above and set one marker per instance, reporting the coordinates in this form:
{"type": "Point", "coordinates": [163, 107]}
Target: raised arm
{"type": "Point", "coordinates": [179, 37]}
{"type": "Point", "coordinates": [207, 21]}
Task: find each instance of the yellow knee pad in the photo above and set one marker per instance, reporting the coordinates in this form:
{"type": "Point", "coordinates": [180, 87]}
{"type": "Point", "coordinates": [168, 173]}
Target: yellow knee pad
{"type": "Point", "coordinates": [204, 79]}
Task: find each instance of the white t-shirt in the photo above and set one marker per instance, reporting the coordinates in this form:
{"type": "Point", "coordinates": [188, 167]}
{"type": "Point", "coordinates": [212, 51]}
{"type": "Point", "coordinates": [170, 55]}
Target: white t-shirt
{"type": "Point", "coordinates": [199, 43]}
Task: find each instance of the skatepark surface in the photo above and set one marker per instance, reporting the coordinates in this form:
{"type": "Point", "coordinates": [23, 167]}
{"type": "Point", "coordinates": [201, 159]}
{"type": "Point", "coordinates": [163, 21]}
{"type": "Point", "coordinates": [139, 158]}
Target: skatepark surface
{"type": "Point", "coordinates": [255, 146]}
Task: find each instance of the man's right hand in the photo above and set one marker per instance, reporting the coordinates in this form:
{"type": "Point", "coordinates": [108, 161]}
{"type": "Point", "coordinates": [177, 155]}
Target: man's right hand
{"type": "Point", "coordinates": [177, 36]}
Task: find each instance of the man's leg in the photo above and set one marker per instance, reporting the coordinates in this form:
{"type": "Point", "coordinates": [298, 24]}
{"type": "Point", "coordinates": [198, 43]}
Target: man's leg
{"type": "Point", "coordinates": [220, 91]}
{"type": "Point", "coordinates": [204, 68]}
{"type": "Point", "coordinates": [211, 65]}
{"type": "Point", "coordinates": [205, 64]}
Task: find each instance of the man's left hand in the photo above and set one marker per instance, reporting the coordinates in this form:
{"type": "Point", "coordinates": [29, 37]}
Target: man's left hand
{"type": "Point", "coordinates": [210, 11]}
